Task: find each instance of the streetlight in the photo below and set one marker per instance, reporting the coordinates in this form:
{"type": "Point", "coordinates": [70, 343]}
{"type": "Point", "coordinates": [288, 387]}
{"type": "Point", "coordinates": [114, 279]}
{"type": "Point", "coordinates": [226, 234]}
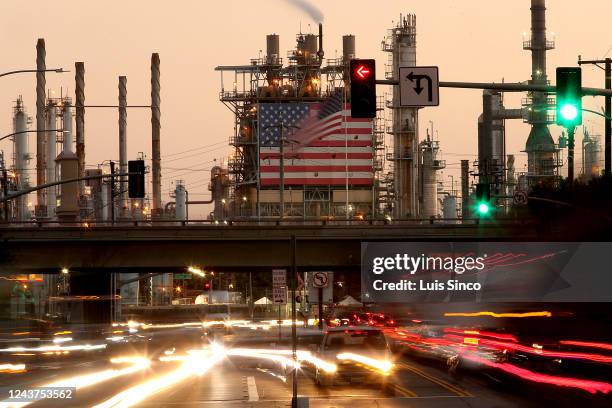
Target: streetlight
{"type": "Point", "coordinates": [196, 271]}
{"type": "Point", "coordinates": [21, 71]}
{"type": "Point", "coordinates": [33, 131]}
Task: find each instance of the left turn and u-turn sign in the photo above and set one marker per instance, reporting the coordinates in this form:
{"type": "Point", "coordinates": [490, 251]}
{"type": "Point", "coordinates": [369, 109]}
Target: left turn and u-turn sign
{"type": "Point", "coordinates": [419, 86]}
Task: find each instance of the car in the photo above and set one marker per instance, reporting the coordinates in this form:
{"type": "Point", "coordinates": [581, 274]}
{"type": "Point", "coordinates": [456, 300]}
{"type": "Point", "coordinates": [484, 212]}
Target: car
{"type": "Point", "coordinates": [361, 354]}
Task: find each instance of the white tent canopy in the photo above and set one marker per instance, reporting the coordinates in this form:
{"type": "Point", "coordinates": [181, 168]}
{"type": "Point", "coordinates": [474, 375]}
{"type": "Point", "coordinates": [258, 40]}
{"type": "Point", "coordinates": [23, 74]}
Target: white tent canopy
{"type": "Point", "coordinates": [263, 301]}
{"type": "Point", "coordinates": [349, 301]}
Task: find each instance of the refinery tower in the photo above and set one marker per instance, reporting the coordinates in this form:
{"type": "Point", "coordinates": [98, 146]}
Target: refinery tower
{"type": "Point", "coordinates": [297, 151]}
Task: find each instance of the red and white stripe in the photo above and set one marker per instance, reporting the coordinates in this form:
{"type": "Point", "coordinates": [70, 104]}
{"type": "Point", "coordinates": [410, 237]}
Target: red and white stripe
{"type": "Point", "coordinates": [332, 151]}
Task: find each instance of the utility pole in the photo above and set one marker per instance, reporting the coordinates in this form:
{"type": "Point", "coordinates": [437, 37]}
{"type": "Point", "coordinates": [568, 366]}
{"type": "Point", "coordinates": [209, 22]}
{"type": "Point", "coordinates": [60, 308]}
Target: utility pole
{"type": "Point", "coordinates": [281, 127]}
{"type": "Point", "coordinates": [112, 192]}
{"type": "Point", "coordinates": [608, 109]}
{"type": "Point", "coordinates": [5, 193]}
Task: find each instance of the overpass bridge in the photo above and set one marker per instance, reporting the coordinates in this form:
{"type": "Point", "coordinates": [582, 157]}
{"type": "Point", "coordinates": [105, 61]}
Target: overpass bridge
{"type": "Point", "coordinates": [249, 246]}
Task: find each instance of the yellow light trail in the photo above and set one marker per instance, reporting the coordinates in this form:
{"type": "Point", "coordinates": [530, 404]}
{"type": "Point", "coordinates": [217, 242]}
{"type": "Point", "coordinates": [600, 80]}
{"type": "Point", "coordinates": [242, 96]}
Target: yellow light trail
{"type": "Point", "coordinates": [498, 315]}
{"type": "Point", "coordinates": [384, 366]}
{"type": "Point", "coordinates": [12, 368]}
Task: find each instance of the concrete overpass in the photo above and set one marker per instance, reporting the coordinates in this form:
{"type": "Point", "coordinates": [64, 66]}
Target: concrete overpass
{"type": "Point", "coordinates": [249, 247]}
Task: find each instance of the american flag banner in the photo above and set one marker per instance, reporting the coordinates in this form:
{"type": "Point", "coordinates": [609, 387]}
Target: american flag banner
{"type": "Point", "coordinates": [327, 143]}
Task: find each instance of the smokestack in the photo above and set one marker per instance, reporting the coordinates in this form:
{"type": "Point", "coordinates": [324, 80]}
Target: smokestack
{"type": "Point", "coordinates": [79, 78]}
{"type": "Point", "coordinates": [155, 135]}
{"type": "Point", "coordinates": [348, 48]}
{"type": "Point", "coordinates": [123, 167]}
{"type": "Point", "coordinates": [272, 48]}
{"type": "Point", "coordinates": [321, 53]}
{"type": "Point", "coordinates": [41, 84]}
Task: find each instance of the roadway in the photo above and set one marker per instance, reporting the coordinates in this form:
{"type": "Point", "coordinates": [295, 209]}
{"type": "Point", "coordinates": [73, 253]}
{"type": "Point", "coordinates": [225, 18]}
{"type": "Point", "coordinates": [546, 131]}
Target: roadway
{"type": "Point", "coordinates": [222, 379]}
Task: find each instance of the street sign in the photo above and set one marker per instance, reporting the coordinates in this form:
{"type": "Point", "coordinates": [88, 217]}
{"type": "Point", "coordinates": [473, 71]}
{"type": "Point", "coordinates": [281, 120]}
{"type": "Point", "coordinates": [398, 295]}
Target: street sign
{"type": "Point", "coordinates": [419, 86]}
{"type": "Point", "coordinates": [279, 286]}
{"type": "Point", "coordinates": [520, 197]}
{"type": "Point", "coordinates": [320, 279]}
{"type": "Point", "coordinates": [182, 276]}
{"type": "Point", "coordinates": [312, 292]}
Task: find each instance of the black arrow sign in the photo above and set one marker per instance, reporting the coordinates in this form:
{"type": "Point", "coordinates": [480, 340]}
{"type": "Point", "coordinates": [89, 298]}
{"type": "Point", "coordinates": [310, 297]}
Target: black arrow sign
{"type": "Point", "coordinates": [418, 89]}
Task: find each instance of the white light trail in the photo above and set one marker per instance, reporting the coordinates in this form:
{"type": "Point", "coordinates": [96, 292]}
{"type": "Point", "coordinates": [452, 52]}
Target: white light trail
{"type": "Point", "coordinates": [82, 381]}
{"type": "Point", "coordinates": [198, 363]}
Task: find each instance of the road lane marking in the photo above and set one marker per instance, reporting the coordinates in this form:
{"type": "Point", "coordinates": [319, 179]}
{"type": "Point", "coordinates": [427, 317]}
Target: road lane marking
{"type": "Point", "coordinates": [252, 387]}
{"type": "Point", "coordinates": [404, 391]}
{"type": "Point", "coordinates": [440, 382]}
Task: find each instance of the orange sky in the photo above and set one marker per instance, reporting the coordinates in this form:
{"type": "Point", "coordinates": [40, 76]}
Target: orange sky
{"type": "Point", "coordinates": [471, 40]}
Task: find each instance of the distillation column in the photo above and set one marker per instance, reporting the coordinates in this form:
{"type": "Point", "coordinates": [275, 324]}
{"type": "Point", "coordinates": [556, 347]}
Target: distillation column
{"type": "Point", "coordinates": [67, 125]}
{"type": "Point", "coordinates": [430, 167]}
{"type": "Point", "coordinates": [22, 157]}
{"type": "Point", "coordinates": [540, 146]}
{"type": "Point", "coordinates": [401, 43]}
{"type": "Point", "coordinates": [50, 157]}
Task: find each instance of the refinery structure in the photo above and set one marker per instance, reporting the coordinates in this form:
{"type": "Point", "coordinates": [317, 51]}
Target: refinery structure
{"type": "Point", "coordinates": [295, 151]}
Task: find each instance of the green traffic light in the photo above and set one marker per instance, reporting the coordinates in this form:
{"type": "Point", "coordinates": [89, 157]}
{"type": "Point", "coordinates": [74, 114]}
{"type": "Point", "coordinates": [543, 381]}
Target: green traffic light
{"type": "Point", "coordinates": [569, 112]}
{"type": "Point", "coordinates": [483, 208]}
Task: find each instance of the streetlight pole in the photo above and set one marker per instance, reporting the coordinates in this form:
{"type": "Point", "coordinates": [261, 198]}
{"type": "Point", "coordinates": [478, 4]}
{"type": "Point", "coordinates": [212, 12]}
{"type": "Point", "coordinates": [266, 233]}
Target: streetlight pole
{"type": "Point", "coordinates": [21, 71]}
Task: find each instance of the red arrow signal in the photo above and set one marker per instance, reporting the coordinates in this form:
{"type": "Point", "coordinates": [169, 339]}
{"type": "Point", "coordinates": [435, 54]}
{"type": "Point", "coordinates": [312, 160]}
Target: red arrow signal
{"type": "Point", "coordinates": [362, 72]}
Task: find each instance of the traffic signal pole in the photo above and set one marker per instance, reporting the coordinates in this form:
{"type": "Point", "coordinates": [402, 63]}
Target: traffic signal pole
{"type": "Point", "coordinates": [60, 182]}
{"type": "Point", "coordinates": [570, 153]}
{"type": "Point", "coordinates": [608, 109]}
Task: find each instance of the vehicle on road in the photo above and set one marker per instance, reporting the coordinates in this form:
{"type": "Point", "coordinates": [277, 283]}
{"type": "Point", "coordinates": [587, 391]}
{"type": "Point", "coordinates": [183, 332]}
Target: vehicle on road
{"type": "Point", "coordinates": [361, 355]}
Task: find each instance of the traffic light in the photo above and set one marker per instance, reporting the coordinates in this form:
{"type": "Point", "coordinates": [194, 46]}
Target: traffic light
{"type": "Point", "coordinates": [207, 285]}
{"type": "Point", "coordinates": [569, 96]}
{"type": "Point", "coordinates": [136, 179]}
{"type": "Point", "coordinates": [363, 88]}
{"type": "Point", "coordinates": [483, 199]}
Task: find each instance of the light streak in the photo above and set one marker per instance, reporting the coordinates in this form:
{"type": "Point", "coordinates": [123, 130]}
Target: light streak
{"type": "Point", "coordinates": [536, 349]}
{"type": "Point", "coordinates": [12, 368]}
{"type": "Point", "coordinates": [587, 385]}
{"type": "Point", "coordinates": [87, 380]}
{"type": "Point", "coordinates": [85, 347]}
{"type": "Point", "coordinates": [198, 364]}
{"type": "Point", "coordinates": [499, 315]}
{"type": "Point", "coordinates": [605, 346]}
{"type": "Point", "coordinates": [384, 366]}
{"type": "Point", "coordinates": [301, 355]}
{"type": "Point", "coordinates": [500, 336]}
{"type": "Point", "coordinates": [263, 354]}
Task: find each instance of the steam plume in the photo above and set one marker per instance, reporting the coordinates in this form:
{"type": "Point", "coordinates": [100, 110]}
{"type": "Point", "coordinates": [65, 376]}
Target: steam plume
{"type": "Point", "coordinates": [311, 9]}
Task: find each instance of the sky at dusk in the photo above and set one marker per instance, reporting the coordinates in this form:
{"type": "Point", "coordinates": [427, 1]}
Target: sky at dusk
{"type": "Point", "coordinates": [471, 40]}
